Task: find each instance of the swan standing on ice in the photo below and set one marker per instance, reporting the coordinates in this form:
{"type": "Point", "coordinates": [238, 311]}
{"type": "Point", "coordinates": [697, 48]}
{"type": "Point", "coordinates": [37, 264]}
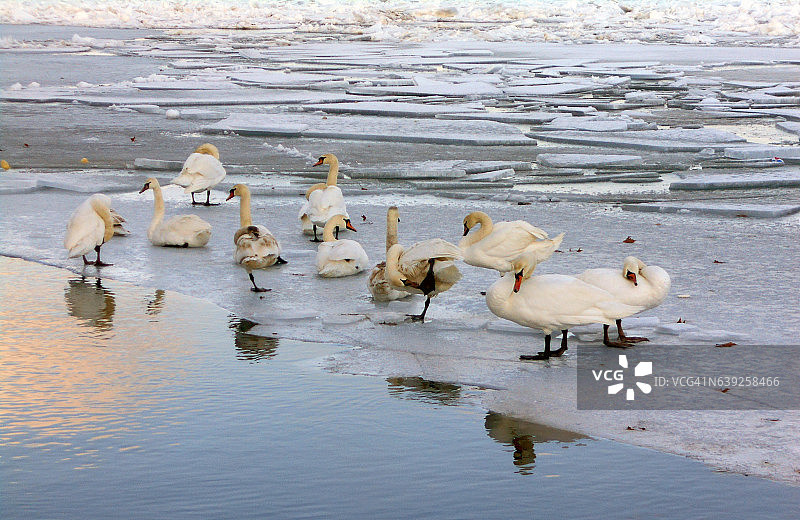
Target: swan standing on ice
{"type": "Point", "coordinates": [90, 226]}
{"type": "Point", "coordinates": [378, 285]}
{"type": "Point", "coordinates": [553, 302]}
{"type": "Point", "coordinates": [495, 246]}
{"type": "Point", "coordinates": [636, 284]}
{"type": "Point", "coordinates": [178, 231]}
{"type": "Point", "coordinates": [324, 203]}
{"type": "Point", "coordinates": [256, 248]}
{"type": "Point", "coordinates": [305, 221]}
{"type": "Point", "coordinates": [201, 172]}
{"type": "Point", "coordinates": [427, 267]}
{"type": "Point", "coordinates": [337, 258]}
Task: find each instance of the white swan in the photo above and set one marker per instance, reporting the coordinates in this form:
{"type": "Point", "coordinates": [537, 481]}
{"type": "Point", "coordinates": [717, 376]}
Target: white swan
{"type": "Point", "coordinates": [324, 203]}
{"type": "Point", "coordinates": [201, 172]}
{"type": "Point", "coordinates": [378, 285]}
{"type": "Point", "coordinates": [256, 248]}
{"type": "Point", "coordinates": [305, 221]}
{"type": "Point", "coordinates": [178, 231]}
{"type": "Point", "coordinates": [427, 267]}
{"type": "Point", "coordinates": [552, 302]}
{"type": "Point", "coordinates": [495, 246]}
{"type": "Point", "coordinates": [339, 257]}
{"type": "Point", "coordinates": [636, 284]}
{"type": "Point", "coordinates": [90, 226]}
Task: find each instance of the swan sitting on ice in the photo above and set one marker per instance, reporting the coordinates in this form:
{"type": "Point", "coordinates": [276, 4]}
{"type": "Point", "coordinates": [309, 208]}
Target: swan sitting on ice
{"type": "Point", "coordinates": [495, 246]}
{"type": "Point", "coordinates": [201, 172]}
{"type": "Point", "coordinates": [427, 267]}
{"type": "Point", "coordinates": [378, 285]}
{"type": "Point", "coordinates": [90, 226]}
{"type": "Point", "coordinates": [324, 203]}
{"type": "Point", "coordinates": [553, 302]}
{"type": "Point", "coordinates": [178, 231]}
{"type": "Point", "coordinates": [337, 258]}
{"type": "Point", "coordinates": [635, 284]}
{"type": "Point", "coordinates": [256, 248]}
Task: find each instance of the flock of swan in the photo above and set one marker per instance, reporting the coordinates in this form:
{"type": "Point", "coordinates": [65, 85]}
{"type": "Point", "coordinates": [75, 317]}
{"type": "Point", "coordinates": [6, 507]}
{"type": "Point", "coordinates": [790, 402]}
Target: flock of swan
{"type": "Point", "coordinates": [550, 302]}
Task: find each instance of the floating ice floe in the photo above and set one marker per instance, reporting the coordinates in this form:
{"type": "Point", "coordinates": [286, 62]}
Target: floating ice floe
{"type": "Point", "coordinates": [717, 208]}
{"type": "Point", "coordinates": [390, 108]}
{"type": "Point", "coordinates": [733, 181]}
{"type": "Point", "coordinates": [580, 160]}
{"type": "Point", "coordinates": [670, 140]}
{"type": "Point", "coordinates": [524, 118]}
{"type": "Point", "coordinates": [142, 163]}
{"type": "Point", "coordinates": [434, 131]}
{"type": "Point", "coordinates": [754, 151]}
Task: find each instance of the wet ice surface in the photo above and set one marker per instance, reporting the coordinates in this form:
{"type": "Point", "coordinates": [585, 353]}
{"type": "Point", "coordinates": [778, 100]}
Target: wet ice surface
{"type": "Point", "coordinates": [570, 180]}
{"type": "Point", "coordinates": [110, 387]}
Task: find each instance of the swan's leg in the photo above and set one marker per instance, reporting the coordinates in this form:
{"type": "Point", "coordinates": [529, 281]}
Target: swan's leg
{"type": "Point", "coordinates": [421, 317]}
{"type": "Point", "coordinates": [97, 262]}
{"type": "Point", "coordinates": [560, 351]}
{"type": "Point", "coordinates": [541, 355]}
{"type": "Point", "coordinates": [336, 232]}
{"type": "Point", "coordinates": [623, 337]}
{"type": "Point", "coordinates": [193, 201]}
{"type": "Point", "coordinates": [208, 200]}
{"type": "Point", "coordinates": [616, 344]}
{"type": "Point", "coordinates": [85, 261]}
{"type": "Point", "coordinates": [255, 287]}
{"type": "Point", "coordinates": [315, 234]}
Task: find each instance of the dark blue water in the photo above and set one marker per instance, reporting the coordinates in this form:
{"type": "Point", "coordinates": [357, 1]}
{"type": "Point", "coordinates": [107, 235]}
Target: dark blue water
{"type": "Point", "coordinates": [122, 402]}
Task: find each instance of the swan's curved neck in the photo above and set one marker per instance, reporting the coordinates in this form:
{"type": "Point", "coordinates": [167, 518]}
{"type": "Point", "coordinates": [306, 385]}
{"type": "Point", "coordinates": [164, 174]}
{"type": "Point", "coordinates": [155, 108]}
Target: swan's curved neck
{"type": "Point", "coordinates": [391, 272]}
{"type": "Point", "coordinates": [333, 172]}
{"type": "Point", "coordinates": [108, 221]}
{"type": "Point", "coordinates": [327, 232]}
{"type": "Point", "coordinates": [158, 210]}
{"type": "Point", "coordinates": [318, 186]}
{"type": "Point", "coordinates": [483, 232]}
{"type": "Point", "coordinates": [391, 230]}
{"type": "Point", "coordinates": [245, 218]}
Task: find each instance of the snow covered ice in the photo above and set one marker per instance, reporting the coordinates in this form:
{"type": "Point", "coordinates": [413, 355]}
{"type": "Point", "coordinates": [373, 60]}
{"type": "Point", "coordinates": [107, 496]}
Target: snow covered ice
{"type": "Point", "coordinates": [441, 121]}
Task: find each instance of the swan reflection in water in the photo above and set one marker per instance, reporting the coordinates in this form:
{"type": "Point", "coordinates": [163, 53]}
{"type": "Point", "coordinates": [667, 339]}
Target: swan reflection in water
{"type": "Point", "coordinates": [153, 307]}
{"type": "Point", "coordinates": [523, 436]}
{"type": "Point", "coordinates": [90, 302]}
{"type": "Point", "coordinates": [418, 389]}
{"type": "Point", "coordinates": [251, 347]}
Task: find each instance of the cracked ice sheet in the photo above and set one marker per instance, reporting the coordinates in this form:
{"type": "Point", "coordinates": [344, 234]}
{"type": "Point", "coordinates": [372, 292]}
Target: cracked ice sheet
{"type": "Point", "coordinates": [435, 131]}
{"type": "Point", "coordinates": [456, 345]}
{"type": "Point", "coordinates": [672, 140]}
{"type": "Point", "coordinates": [781, 179]}
{"type": "Point", "coordinates": [580, 160]}
{"type": "Point", "coordinates": [717, 208]}
{"type": "Point", "coordinates": [394, 109]}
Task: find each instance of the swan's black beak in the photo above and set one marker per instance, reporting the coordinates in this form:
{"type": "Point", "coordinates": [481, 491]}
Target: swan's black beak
{"type": "Point", "coordinates": [349, 226]}
{"type": "Point", "coordinates": [466, 230]}
{"type": "Point", "coordinates": [517, 280]}
{"type": "Point", "coordinates": [145, 187]}
{"type": "Point", "coordinates": [231, 194]}
{"type": "Point", "coordinates": [632, 277]}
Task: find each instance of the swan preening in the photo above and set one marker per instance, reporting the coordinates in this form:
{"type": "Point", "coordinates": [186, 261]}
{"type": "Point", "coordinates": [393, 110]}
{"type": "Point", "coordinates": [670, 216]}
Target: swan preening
{"type": "Point", "coordinates": [427, 267]}
{"type": "Point", "coordinates": [378, 285]}
{"type": "Point", "coordinates": [201, 172]}
{"type": "Point", "coordinates": [90, 226]}
{"type": "Point", "coordinates": [553, 302]}
{"type": "Point", "coordinates": [256, 248]}
{"type": "Point", "coordinates": [635, 284]}
{"type": "Point", "coordinates": [178, 231]}
{"type": "Point", "coordinates": [495, 246]}
{"type": "Point", "coordinates": [337, 258]}
{"type": "Point", "coordinates": [324, 200]}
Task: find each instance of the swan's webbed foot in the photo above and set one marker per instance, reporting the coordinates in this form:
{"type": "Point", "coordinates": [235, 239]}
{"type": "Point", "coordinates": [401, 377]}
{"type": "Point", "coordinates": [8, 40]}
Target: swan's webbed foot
{"type": "Point", "coordinates": [535, 357]}
{"type": "Point", "coordinates": [209, 203]}
{"type": "Point", "coordinates": [98, 263]}
{"type": "Point", "coordinates": [195, 203]}
{"type": "Point", "coordinates": [255, 288]}
{"type": "Point", "coordinates": [415, 317]}
{"type": "Point", "coordinates": [315, 239]}
{"type": "Point", "coordinates": [559, 352]}
{"type": "Point", "coordinates": [622, 343]}
{"type": "Point", "coordinates": [632, 339]}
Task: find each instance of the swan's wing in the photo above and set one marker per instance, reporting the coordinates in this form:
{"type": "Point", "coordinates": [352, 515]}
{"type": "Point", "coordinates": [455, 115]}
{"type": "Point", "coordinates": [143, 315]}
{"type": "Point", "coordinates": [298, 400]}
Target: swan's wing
{"type": "Point", "coordinates": [427, 249]}
{"type": "Point", "coordinates": [200, 172]}
{"type": "Point", "coordinates": [347, 250]}
{"type": "Point", "coordinates": [541, 250]}
{"type": "Point", "coordinates": [508, 240]}
{"type": "Point", "coordinates": [325, 203]}
{"type": "Point", "coordinates": [119, 221]}
{"type": "Point", "coordinates": [85, 230]}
